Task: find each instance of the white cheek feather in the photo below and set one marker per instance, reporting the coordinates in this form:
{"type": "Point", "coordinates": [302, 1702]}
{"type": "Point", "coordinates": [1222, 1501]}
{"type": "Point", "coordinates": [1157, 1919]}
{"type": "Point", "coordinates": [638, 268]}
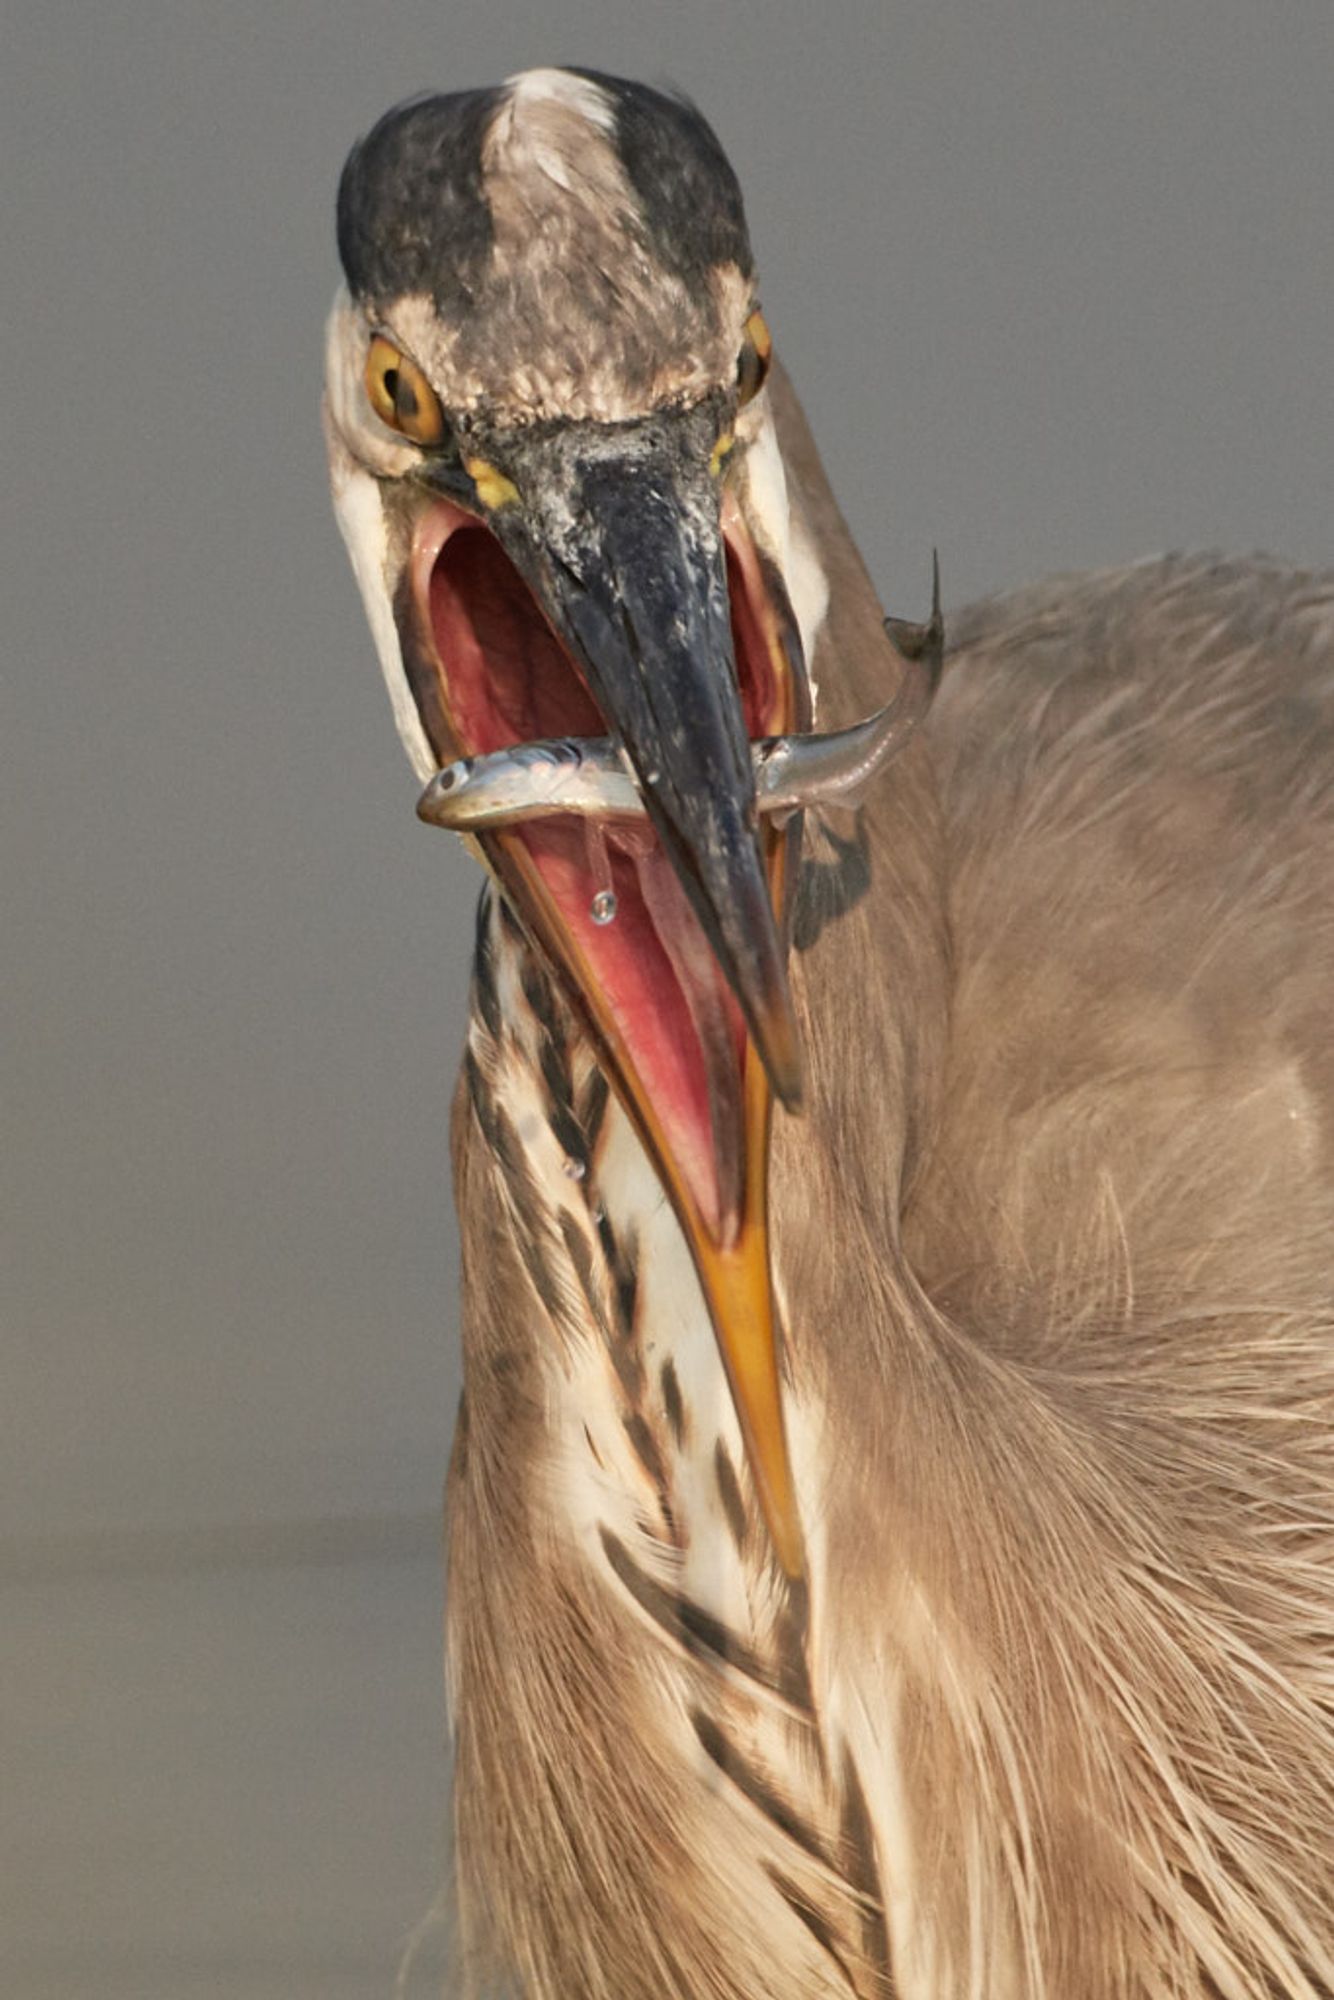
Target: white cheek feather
{"type": "Point", "coordinates": [783, 533]}
{"type": "Point", "coordinates": [356, 499]}
{"type": "Point", "coordinates": [346, 339]}
{"type": "Point", "coordinates": [353, 437]}
{"type": "Point", "coordinates": [808, 587]}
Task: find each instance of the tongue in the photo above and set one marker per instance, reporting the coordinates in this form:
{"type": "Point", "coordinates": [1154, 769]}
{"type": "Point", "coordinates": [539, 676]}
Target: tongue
{"type": "Point", "coordinates": [629, 919]}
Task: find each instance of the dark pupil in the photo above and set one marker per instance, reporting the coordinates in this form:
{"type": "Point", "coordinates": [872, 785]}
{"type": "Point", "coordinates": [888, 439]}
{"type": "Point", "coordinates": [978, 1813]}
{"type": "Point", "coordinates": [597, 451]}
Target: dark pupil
{"type": "Point", "coordinates": [400, 393]}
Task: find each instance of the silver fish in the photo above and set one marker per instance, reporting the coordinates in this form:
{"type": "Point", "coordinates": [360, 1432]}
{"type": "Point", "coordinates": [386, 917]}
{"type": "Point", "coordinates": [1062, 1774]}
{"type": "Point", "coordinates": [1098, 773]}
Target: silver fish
{"type": "Point", "coordinates": [560, 774]}
{"type": "Point", "coordinates": [590, 777]}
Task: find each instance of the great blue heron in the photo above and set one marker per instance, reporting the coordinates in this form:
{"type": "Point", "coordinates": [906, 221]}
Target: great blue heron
{"type": "Point", "coordinates": [889, 1539]}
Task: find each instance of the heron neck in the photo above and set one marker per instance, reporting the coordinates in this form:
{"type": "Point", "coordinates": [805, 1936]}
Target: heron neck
{"type": "Point", "coordinates": [870, 961]}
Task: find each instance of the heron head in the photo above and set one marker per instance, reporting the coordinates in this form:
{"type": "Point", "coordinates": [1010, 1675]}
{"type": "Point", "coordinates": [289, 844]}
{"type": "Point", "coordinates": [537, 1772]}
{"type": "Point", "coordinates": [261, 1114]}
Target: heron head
{"type": "Point", "coordinates": [554, 466]}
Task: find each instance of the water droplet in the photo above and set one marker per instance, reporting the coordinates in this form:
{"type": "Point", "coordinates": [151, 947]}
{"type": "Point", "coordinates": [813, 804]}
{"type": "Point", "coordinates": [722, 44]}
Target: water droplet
{"type": "Point", "coordinates": [603, 906]}
{"type": "Point", "coordinates": [574, 1168]}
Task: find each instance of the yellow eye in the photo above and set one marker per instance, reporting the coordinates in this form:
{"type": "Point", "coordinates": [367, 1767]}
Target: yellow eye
{"type": "Point", "coordinates": [400, 394]}
{"type": "Point", "coordinates": [753, 361]}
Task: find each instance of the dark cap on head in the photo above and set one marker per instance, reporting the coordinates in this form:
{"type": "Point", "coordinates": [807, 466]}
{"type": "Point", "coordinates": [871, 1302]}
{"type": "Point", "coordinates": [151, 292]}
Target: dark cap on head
{"type": "Point", "coordinates": [414, 214]}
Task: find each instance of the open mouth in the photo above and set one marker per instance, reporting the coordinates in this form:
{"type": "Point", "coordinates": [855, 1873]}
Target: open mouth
{"type": "Point", "coordinates": [601, 894]}
{"type": "Point", "coordinates": [613, 688]}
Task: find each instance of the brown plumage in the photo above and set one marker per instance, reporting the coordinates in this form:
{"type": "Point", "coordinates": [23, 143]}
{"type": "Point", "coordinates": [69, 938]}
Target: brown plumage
{"type": "Point", "coordinates": [1049, 1715]}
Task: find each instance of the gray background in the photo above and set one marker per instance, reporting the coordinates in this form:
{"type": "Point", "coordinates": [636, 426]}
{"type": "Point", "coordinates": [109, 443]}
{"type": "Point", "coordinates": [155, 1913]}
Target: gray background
{"type": "Point", "coordinates": [1056, 284]}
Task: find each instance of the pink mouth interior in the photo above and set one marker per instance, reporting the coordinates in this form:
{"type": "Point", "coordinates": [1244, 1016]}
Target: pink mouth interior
{"type": "Point", "coordinates": [510, 681]}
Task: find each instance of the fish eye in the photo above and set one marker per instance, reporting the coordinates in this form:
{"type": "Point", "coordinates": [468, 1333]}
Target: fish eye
{"type": "Point", "coordinates": [752, 364]}
{"type": "Point", "coordinates": [400, 394]}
